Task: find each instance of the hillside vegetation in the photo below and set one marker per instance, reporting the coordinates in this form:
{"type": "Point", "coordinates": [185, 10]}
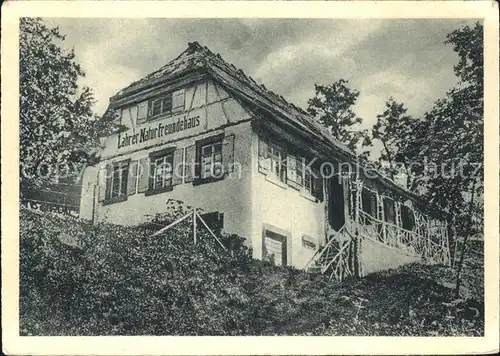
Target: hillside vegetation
{"type": "Point", "coordinates": [80, 279]}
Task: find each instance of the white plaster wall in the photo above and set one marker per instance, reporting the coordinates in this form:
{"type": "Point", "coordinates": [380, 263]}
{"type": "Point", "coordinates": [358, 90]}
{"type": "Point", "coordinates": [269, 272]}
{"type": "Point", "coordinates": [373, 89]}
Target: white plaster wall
{"type": "Point", "coordinates": [89, 192]}
{"type": "Point", "coordinates": [286, 209]}
{"type": "Point", "coordinates": [376, 256]}
{"type": "Point", "coordinates": [219, 113]}
{"type": "Point", "coordinates": [231, 196]}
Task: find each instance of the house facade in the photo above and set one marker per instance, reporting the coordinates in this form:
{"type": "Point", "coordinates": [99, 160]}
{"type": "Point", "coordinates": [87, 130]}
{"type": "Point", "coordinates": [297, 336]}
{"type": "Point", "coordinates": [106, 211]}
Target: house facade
{"type": "Point", "coordinates": [201, 131]}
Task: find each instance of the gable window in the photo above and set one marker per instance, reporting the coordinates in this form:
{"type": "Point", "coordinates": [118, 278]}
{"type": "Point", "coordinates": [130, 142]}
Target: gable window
{"type": "Point", "coordinates": [161, 105]}
{"type": "Point", "coordinates": [167, 104]}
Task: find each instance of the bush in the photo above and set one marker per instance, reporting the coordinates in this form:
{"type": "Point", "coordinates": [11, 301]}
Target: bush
{"type": "Point", "coordinates": [83, 279]}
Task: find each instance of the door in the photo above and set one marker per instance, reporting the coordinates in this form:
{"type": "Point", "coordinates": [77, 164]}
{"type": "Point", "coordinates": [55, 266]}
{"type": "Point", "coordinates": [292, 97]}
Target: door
{"type": "Point", "coordinates": [275, 248]}
{"type": "Point", "coordinates": [336, 206]}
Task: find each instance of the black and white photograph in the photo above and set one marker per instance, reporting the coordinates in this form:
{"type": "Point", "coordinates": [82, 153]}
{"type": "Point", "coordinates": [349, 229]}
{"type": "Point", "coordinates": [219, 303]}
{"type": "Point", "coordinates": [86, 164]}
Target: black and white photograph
{"type": "Point", "coordinates": [240, 176]}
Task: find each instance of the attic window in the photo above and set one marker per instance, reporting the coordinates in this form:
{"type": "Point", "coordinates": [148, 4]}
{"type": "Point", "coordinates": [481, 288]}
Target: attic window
{"type": "Point", "coordinates": [168, 103]}
{"type": "Point", "coordinates": [161, 105]}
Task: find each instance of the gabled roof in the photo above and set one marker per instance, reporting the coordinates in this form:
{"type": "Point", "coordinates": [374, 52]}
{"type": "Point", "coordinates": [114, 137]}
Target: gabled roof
{"type": "Point", "coordinates": [198, 58]}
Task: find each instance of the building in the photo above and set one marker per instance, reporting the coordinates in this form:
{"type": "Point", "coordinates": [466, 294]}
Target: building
{"type": "Point", "coordinates": [201, 131]}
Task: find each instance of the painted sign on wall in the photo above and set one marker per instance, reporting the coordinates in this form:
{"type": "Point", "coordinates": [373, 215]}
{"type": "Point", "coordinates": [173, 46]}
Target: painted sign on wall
{"type": "Point", "coordinates": [158, 130]}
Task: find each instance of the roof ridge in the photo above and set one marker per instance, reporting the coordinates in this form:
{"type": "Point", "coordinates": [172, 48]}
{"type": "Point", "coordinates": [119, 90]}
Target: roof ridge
{"type": "Point", "coordinates": [240, 72]}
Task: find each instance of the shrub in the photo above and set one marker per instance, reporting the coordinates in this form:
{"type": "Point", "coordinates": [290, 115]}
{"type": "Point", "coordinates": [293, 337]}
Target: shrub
{"type": "Point", "coordinates": [83, 279]}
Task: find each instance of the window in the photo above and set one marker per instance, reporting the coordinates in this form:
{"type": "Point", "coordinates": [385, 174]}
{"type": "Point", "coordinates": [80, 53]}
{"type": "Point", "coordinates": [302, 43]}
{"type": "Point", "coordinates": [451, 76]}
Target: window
{"type": "Point", "coordinates": [389, 212]}
{"type": "Point", "coordinates": [156, 107]}
{"type": "Point", "coordinates": [161, 171]}
{"type": "Point", "coordinates": [211, 160]}
{"type": "Point", "coordinates": [162, 105]}
{"type": "Point", "coordinates": [167, 104]}
{"type": "Point", "coordinates": [114, 182]}
{"type": "Point", "coordinates": [278, 161]}
{"type": "Point", "coordinates": [368, 205]}
{"type": "Point", "coordinates": [212, 154]}
{"type": "Point", "coordinates": [304, 177]}
{"type": "Point", "coordinates": [119, 180]}
{"type": "Point", "coordinates": [275, 248]}
{"type": "Point", "coordinates": [407, 218]}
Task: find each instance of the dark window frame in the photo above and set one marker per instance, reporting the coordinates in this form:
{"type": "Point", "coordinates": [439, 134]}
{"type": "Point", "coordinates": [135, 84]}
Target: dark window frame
{"type": "Point", "coordinates": [198, 179]}
{"type": "Point", "coordinates": [169, 151]}
{"type": "Point", "coordinates": [368, 204]}
{"type": "Point", "coordinates": [389, 206]}
{"type": "Point", "coordinates": [161, 99]}
{"type": "Point", "coordinates": [109, 198]}
{"type": "Point", "coordinates": [407, 218]}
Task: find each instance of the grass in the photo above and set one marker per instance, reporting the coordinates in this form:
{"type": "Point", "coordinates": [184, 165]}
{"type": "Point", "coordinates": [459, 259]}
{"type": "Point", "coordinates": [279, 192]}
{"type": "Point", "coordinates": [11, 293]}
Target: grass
{"type": "Point", "coordinates": [113, 280]}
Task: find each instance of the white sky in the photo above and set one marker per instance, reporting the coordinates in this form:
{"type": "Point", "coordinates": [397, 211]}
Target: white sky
{"type": "Point", "coordinates": [406, 59]}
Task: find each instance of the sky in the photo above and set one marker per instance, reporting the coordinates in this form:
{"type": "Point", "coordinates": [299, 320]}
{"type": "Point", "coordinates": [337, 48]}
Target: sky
{"type": "Point", "coordinates": [405, 59]}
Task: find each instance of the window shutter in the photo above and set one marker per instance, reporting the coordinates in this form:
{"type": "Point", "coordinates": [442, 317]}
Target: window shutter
{"type": "Point", "coordinates": [263, 156]}
{"type": "Point", "coordinates": [143, 174]}
{"type": "Point", "coordinates": [228, 153]}
{"type": "Point", "coordinates": [132, 178]}
{"type": "Point", "coordinates": [189, 163]}
{"type": "Point", "coordinates": [178, 101]}
{"type": "Point", "coordinates": [151, 175]}
{"type": "Point", "coordinates": [150, 108]}
{"type": "Point", "coordinates": [291, 171]}
{"type": "Point", "coordinates": [104, 181]}
{"type": "Point", "coordinates": [318, 186]}
{"type": "Point", "coordinates": [142, 112]}
{"type": "Point", "coordinates": [177, 168]}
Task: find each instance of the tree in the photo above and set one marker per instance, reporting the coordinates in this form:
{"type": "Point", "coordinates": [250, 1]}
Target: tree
{"type": "Point", "coordinates": [394, 129]}
{"type": "Point", "coordinates": [455, 127]}
{"type": "Point", "coordinates": [332, 106]}
{"type": "Point", "coordinates": [57, 125]}
{"type": "Point", "coordinates": [451, 138]}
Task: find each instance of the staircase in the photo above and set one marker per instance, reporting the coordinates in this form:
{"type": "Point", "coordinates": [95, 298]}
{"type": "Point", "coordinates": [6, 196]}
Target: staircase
{"type": "Point", "coordinates": [333, 258]}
